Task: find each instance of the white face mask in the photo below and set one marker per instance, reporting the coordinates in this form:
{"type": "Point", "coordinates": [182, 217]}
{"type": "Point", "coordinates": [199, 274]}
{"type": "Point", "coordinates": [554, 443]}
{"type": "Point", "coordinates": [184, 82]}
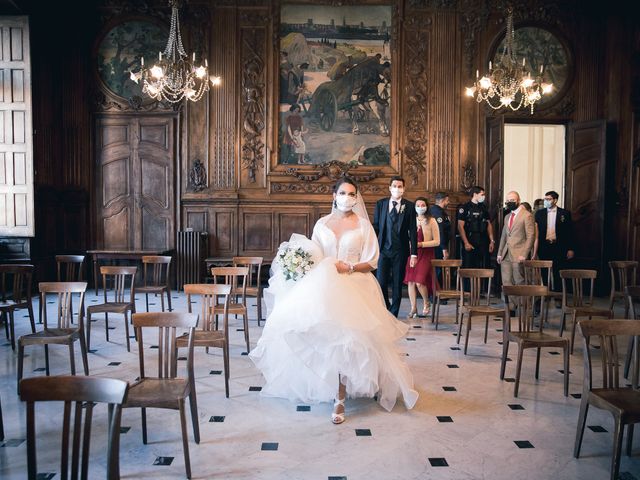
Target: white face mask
{"type": "Point", "coordinates": [345, 203]}
{"type": "Point", "coordinates": [548, 204]}
{"type": "Point", "coordinates": [421, 210]}
{"type": "Point", "coordinates": [397, 192]}
{"type": "Point", "coordinates": [481, 199]}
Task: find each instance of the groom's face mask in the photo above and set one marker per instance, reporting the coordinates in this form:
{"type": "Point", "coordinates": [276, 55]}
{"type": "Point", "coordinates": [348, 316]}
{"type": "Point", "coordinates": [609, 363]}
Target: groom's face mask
{"type": "Point", "coordinates": [345, 203]}
{"type": "Point", "coordinates": [397, 190]}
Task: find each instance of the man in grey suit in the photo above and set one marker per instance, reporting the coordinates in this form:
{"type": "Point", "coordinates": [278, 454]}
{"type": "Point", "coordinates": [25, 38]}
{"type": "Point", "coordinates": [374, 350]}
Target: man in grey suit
{"type": "Point", "coordinates": [516, 242]}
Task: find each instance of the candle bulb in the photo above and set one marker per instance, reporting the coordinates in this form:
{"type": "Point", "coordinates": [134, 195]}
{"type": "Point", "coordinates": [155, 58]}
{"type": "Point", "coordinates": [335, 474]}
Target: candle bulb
{"type": "Point", "coordinates": [489, 64]}
{"type": "Point", "coordinates": [477, 73]}
{"type": "Point", "coordinates": [142, 61]}
{"type": "Point", "coordinates": [523, 59]}
{"type": "Point", "coordinates": [206, 63]}
{"type": "Point", "coordinates": [194, 56]}
{"type": "Point", "coordinates": [541, 67]}
{"type": "Point", "coordinates": [160, 56]}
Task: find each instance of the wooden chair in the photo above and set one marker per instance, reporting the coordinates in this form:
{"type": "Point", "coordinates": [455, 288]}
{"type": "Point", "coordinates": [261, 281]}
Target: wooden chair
{"type": "Point", "coordinates": [78, 394]}
{"type": "Point", "coordinates": [18, 279]}
{"type": "Point", "coordinates": [622, 403]}
{"type": "Point", "coordinates": [68, 269]}
{"type": "Point", "coordinates": [209, 336]}
{"type": "Point", "coordinates": [540, 272]}
{"type": "Point", "coordinates": [471, 304]}
{"type": "Point", "coordinates": [119, 277]}
{"type": "Point", "coordinates": [156, 280]}
{"type": "Point", "coordinates": [448, 289]}
{"type": "Point", "coordinates": [633, 298]}
{"type": "Point", "coordinates": [1, 423]}
{"type": "Point", "coordinates": [63, 333]}
{"type": "Point", "coordinates": [623, 275]}
{"type": "Point", "coordinates": [254, 287]}
{"type": "Point", "coordinates": [578, 304]}
{"type": "Point", "coordinates": [237, 278]}
{"type": "Point", "coordinates": [167, 390]}
{"type": "Point", "coordinates": [528, 335]}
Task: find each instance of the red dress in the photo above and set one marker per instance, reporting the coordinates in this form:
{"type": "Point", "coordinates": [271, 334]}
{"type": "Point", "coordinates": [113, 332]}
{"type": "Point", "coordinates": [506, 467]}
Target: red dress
{"type": "Point", "coordinates": [422, 272]}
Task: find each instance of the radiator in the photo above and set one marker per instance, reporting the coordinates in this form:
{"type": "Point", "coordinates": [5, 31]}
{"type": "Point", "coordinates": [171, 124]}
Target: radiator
{"type": "Point", "coordinates": [192, 250]}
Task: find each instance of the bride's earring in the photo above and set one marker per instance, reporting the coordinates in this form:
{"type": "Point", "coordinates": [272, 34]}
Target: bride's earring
{"type": "Point", "coordinates": [335, 205]}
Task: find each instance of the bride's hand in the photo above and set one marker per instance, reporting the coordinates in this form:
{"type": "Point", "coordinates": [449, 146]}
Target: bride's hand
{"type": "Point", "coordinates": [342, 267]}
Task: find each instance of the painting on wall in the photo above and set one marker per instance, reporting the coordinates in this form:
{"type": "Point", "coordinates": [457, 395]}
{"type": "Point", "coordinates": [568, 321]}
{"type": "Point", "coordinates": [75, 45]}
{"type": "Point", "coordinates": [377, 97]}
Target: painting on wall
{"type": "Point", "coordinates": [335, 84]}
{"type": "Point", "coordinates": [120, 51]}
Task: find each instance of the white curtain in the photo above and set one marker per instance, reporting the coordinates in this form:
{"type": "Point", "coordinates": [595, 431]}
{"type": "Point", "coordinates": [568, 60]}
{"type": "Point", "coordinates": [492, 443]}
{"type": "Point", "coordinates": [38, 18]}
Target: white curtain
{"type": "Point", "coordinates": [534, 160]}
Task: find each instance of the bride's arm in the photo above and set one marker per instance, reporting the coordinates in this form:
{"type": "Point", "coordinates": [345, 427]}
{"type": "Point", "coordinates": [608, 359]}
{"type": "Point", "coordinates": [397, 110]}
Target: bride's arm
{"type": "Point", "coordinates": [370, 251]}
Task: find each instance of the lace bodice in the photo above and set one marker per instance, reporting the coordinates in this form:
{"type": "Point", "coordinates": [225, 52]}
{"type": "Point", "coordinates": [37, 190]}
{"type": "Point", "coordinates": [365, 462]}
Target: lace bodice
{"type": "Point", "coordinates": [354, 246]}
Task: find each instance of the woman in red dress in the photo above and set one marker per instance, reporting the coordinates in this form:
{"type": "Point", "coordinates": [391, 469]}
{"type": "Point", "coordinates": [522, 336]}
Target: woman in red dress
{"type": "Point", "coordinates": [419, 276]}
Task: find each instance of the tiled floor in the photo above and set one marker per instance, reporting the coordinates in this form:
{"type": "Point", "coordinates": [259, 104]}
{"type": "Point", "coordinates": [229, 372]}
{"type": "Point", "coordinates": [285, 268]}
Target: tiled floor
{"type": "Point", "coordinates": [466, 424]}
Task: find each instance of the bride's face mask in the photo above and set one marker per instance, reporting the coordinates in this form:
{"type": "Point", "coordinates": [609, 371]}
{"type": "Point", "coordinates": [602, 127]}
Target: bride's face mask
{"type": "Point", "coordinates": [345, 203]}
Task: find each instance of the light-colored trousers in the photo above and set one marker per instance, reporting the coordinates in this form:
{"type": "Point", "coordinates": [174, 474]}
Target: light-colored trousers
{"type": "Point", "coordinates": [512, 274]}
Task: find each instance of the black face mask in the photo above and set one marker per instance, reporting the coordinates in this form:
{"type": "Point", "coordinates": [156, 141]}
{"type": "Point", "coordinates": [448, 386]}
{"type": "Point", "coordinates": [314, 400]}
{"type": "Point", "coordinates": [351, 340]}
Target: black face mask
{"type": "Point", "coordinates": [511, 206]}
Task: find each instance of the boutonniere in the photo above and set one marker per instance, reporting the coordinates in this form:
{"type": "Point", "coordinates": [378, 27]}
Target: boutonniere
{"type": "Point", "coordinates": [562, 218]}
{"type": "Point", "coordinates": [402, 207]}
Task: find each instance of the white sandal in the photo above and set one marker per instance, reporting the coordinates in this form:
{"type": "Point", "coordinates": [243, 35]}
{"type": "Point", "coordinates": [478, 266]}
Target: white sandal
{"type": "Point", "coordinates": [337, 418]}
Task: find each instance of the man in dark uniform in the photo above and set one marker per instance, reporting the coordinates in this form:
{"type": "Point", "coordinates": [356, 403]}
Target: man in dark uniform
{"type": "Point", "coordinates": [439, 212]}
{"type": "Point", "coordinates": [555, 236]}
{"type": "Point", "coordinates": [476, 231]}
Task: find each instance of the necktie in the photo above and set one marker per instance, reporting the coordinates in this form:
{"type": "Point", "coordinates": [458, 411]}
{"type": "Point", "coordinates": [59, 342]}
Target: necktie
{"type": "Point", "coordinates": [513, 215]}
{"type": "Point", "coordinates": [394, 213]}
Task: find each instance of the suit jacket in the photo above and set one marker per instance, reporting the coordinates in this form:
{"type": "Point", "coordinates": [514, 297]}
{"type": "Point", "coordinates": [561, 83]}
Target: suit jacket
{"type": "Point", "coordinates": [518, 240]}
{"type": "Point", "coordinates": [564, 229]}
{"type": "Point", "coordinates": [407, 227]}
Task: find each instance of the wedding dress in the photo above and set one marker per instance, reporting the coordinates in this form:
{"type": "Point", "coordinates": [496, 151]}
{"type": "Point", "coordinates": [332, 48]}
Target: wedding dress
{"type": "Point", "coordinates": [328, 324]}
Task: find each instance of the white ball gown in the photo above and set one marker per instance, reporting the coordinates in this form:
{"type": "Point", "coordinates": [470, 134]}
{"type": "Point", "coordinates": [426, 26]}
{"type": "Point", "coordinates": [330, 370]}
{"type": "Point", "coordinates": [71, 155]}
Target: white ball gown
{"type": "Point", "coordinates": [328, 323]}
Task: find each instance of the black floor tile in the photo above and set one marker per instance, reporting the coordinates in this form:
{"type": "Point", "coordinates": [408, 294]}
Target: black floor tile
{"type": "Point", "coordinates": [438, 462]}
{"type": "Point", "coordinates": [337, 478]}
{"type": "Point", "coordinates": [12, 442]}
{"type": "Point", "coordinates": [244, 354]}
{"type": "Point", "coordinates": [217, 418]}
{"type": "Point", "coordinates": [45, 476]}
{"type": "Point", "coordinates": [303, 408]}
{"type": "Point", "coordinates": [239, 329]}
{"type": "Point", "coordinates": [255, 389]}
{"type": "Point", "coordinates": [452, 365]}
{"type": "Point", "coordinates": [454, 348]}
{"type": "Point", "coordinates": [499, 343]}
{"type": "Point", "coordinates": [523, 444]}
{"type": "Point", "coordinates": [363, 432]}
{"type": "Point", "coordinates": [445, 419]}
{"type": "Point", "coordinates": [93, 350]}
{"type": "Point", "coordinates": [40, 369]}
{"type": "Point", "coordinates": [597, 428]}
{"type": "Point", "coordinates": [215, 372]}
{"type": "Point", "coordinates": [562, 371]}
{"type": "Point", "coordinates": [449, 389]}
{"type": "Point", "coordinates": [509, 379]}
{"type": "Point", "coordinates": [269, 446]}
{"type": "Point", "coordinates": [554, 353]}
{"type": "Point", "coordinates": [125, 429]}
{"type": "Point", "coordinates": [498, 329]}
{"type": "Point", "coordinates": [164, 461]}
{"type": "Point", "coordinates": [113, 364]}
{"type": "Point", "coordinates": [111, 328]}
{"type": "Point", "coordinates": [182, 358]}
{"type": "Point", "coordinates": [417, 326]}
{"type": "Point", "coordinates": [516, 406]}
{"type": "Point", "coordinates": [411, 339]}
{"type": "Point", "coordinates": [576, 395]}
{"type": "Point", "coordinates": [153, 346]}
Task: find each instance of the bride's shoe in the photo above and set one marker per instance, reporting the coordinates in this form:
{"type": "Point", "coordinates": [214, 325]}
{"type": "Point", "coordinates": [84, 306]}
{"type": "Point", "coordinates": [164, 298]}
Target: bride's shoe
{"type": "Point", "coordinates": [412, 314]}
{"type": "Point", "coordinates": [337, 418]}
{"type": "Point", "coordinates": [426, 311]}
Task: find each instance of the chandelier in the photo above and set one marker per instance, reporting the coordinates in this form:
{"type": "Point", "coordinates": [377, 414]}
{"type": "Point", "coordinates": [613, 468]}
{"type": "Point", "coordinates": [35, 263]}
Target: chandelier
{"type": "Point", "coordinates": [173, 77]}
{"type": "Point", "coordinates": [509, 84]}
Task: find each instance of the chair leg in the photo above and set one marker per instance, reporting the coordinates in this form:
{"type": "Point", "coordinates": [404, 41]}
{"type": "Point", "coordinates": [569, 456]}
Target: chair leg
{"type": "Point", "coordinates": [246, 330]}
{"type": "Point", "coordinates": [562, 323]}
{"type": "Point", "coordinates": [573, 331]}
{"type": "Point", "coordinates": [627, 360]}
{"type": "Point", "coordinates": [259, 305]}
{"type": "Point", "coordinates": [505, 354]}
{"type": "Point", "coordinates": [460, 328]}
{"type": "Point", "coordinates": [629, 436]}
{"type": "Point", "coordinates": [83, 353]}
{"type": "Point", "coordinates": [538, 363]}
{"type": "Point", "coordinates": [31, 318]}
{"type": "Point", "coordinates": [516, 386]}
{"type": "Point", "coordinates": [40, 307]}
{"type": "Point", "coordinates": [169, 299]}
{"type": "Point", "coordinates": [126, 330]}
{"type": "Point", "coordinates": [20, 363]}
{"type": "Point", "coordinates": [106, 325]}
{"type": "Point", "coordinates": [617, 448]}
{"type": "Point", "coordinates": [1, 424]}
{"type": "Point", "coordinates": [72, 359]}
{"type": "Point", "coordinates": [12, 330]}
{"type": "Point", "coordinates": [434, 310]}
{"type": "Point", "coordinates": [185, 439]}
{"type": "Point", "coordinates": [146, 300]}
{"type": "Point", "coordinates": [225, 359]}
{"type": "Point", "coordinates": [162, 301]}
{"type": "Point", "coordinates": [566, 370]}
{"type": "Point", "coordinates": [46, 359]}
{"type": "Point", "coordinates": [466, 337]}
{"type": "Point", "coordinates": [143, 416]}
{"type": "Point", "coordinates": [5, 320]}
{"type": "Point", "coordinates": [193, 404]}
{"type": "Point", "coordinates": [88, 330]}
{"type": "Point", "coordinates": [582, 421]}
{"type": "Point", "coordinates": [486, 328]}
{"type": "Point", "coordinates": [457, 310]}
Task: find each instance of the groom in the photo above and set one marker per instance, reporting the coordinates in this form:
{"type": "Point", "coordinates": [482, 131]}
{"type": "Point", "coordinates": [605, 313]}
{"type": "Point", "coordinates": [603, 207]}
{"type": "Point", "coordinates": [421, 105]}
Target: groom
{"type": "Point", "coordinates": [394, 221]}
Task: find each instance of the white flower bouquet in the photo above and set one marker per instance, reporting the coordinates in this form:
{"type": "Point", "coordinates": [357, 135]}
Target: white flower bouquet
{"type": "Point", "coordinates": [294, 261]}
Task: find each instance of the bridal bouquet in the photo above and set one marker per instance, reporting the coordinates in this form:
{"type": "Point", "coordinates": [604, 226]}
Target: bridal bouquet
{"type": "Point", "coordinates": [294, 261]}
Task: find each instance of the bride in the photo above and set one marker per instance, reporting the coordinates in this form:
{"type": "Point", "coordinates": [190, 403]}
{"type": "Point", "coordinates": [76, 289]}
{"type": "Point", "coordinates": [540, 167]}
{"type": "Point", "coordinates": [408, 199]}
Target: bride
{"type": "Point", "coordinates": [329, 334]}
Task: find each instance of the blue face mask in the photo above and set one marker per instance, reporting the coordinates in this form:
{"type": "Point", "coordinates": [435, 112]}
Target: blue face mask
{"type": "Point", "coordinates": [548, 204]}
{"type": "Point", "coordinates": [421, 210]}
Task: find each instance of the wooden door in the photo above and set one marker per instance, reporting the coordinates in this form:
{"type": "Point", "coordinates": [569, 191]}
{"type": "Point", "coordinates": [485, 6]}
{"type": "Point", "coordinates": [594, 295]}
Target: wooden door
{"type": "Point", "coordinates": [135, 182]}
{"type": "Point", "coordinates": [495, 171]}
{"type": "Point", "coordinates": [585, 190]}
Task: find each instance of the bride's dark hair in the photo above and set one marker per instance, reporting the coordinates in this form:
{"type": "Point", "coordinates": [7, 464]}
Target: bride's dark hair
{"type": "Point", "coordinates": [342, 180]}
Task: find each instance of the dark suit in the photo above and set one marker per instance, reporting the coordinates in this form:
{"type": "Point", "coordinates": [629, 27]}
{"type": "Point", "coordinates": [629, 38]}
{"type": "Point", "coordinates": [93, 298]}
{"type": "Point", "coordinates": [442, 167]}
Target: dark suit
{"type": "Point", "coordinates": [556, 251]}
{"type": "Point", "coordinates": [397, 240]}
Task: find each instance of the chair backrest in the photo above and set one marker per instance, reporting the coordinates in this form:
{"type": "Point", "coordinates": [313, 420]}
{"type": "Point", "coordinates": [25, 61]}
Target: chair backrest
{"type": "Point", "coordinates": [208, 299]}
{"type": "Point", "coordinates": [577, 279]}
{"type": "Point", "coordinates": [65, 291]}
{"type": "Point", "coordinates": [633, 297]}
{"type": "Point", "coordinates": [623, 274]}
{"type": "Point", "coordinates": [524, 297]}
{"type": "Point", "coordinates": [475, 277]}
{"type": "Point", "coordinates": [18, 279]}
{"type": "Point", "coordinates": [536, 270]}
{"type": "Point", "coordinates": [234, 276]}
{"type": "Point", "coordinates": [607, 331]}
{"type": "Point", "coordinates": [118, 276]}
{"type": "Point", "coordinates": [449, 269]}
{"type": "Point", "coordinates": [166, 323]}
{"type": "Point", "coordinates": [79, 395]}
{"type": "Point", "coordinates": [255, 269]}
{"type": "Point", "coordinates": [71, 266]}
{"type": "Point", "coordinates": [159, 266]}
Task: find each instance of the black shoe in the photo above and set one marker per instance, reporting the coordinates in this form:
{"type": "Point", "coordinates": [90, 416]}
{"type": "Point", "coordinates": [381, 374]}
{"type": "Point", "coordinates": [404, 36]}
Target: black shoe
{"type": "Point", "coordinates": [444, 302]}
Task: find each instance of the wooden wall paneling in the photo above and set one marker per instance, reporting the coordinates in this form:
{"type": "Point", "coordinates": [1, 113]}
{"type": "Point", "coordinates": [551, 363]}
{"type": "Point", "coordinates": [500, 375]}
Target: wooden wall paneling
{"type": "Point", "coordinates": [633, 221]}
{"type": "Point", "coordinates": [256, 232]}
{"type": "Point", "coordinates": [293, 221]}
{"type": "Point", "coordinates": [495, 169]}
{"type": "Point", "coordinates": [220, 221]}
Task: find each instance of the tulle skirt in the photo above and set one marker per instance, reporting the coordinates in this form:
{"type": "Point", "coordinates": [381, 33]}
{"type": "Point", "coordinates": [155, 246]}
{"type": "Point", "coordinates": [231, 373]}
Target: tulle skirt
{"type": "Point", "coordinates": [329, 324]}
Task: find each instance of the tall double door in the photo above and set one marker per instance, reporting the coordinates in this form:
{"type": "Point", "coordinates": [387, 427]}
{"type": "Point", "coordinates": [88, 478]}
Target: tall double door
{"type": "Point", "coordinates": [135, 184]}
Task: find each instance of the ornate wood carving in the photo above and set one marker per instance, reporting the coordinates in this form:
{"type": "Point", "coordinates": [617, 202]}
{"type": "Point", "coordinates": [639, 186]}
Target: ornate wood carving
{"type": "Point", "coordinates": [253, 98]}
{"type": "Point", "coordinates": [198, 176]}
{"type": "Point", "coordinates": [474, 15]}
{"type": "Point", "coordinates": [468, 177]}
{"type": "Point", "coordinates": [416, 43]}
{"type": "Point", "coordinates": [321, 188]}
{"type": "Point", "coordinates": [116, 8]}
{"type": "Point", "coordinates": [334, 170]}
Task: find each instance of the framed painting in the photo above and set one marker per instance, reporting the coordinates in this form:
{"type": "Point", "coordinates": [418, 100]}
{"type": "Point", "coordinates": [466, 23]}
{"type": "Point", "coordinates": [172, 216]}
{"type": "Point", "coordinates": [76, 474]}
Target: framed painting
{"type": "Point", "coordinates": [335, 84]}
{"type": "Point", "coordinates": [119, 51]}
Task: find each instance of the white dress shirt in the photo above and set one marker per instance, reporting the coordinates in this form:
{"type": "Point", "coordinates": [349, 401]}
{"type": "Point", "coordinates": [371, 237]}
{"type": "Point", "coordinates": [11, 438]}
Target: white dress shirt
{"type": "Point", "coordinates": [551, 224]}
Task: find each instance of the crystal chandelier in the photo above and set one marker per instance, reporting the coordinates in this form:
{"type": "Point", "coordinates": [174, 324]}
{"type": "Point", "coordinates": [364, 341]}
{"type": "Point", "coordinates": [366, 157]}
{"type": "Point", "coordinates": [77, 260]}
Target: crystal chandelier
{"type": "Point", "coordinates": [509, 84]}
{"type": "Point", "coordinates": [173, 77]}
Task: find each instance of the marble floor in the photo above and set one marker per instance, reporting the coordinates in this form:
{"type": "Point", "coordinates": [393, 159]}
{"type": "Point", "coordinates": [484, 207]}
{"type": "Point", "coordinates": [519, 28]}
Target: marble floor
{"type": "Point", "coordinates": [466, 424]}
